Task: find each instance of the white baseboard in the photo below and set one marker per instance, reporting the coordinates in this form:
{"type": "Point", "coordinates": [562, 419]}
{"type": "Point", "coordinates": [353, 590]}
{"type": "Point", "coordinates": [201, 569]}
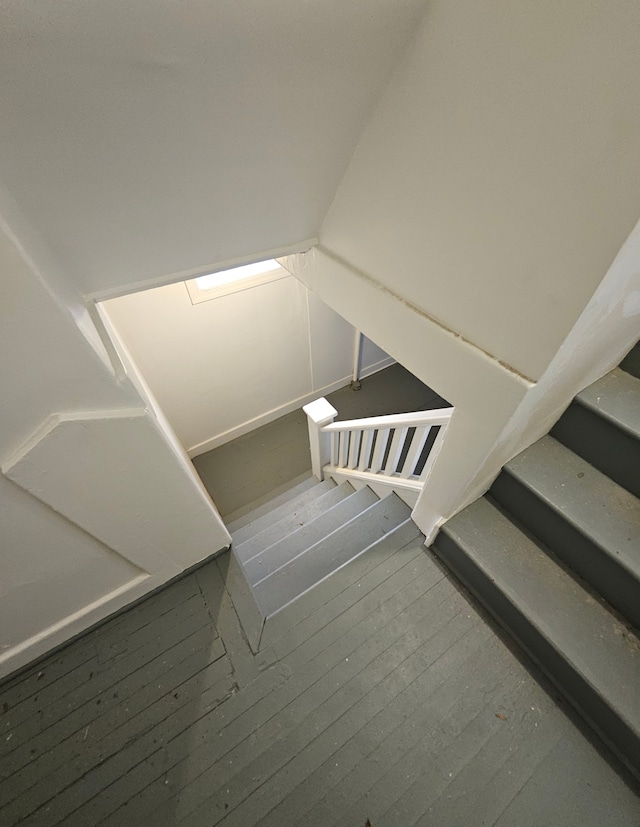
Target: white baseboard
{"type": "Point", "coordinates": [378, 366]}
{"type": "Point", "coordinates": [23, 653]}
{"type": "Point", "coordinates": [282, 410]}
{"type": "Point", "coordinates": [263, 419]}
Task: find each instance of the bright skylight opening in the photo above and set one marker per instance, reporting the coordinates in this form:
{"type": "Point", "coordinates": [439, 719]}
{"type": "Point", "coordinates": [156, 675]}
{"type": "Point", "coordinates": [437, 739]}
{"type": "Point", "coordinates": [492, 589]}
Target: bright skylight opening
{"type": "Point", "coordinates": [247, 271]}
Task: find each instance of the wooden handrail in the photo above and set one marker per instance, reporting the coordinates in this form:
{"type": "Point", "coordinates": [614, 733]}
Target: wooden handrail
{"type": "Point", "coordinates": [439, 416]}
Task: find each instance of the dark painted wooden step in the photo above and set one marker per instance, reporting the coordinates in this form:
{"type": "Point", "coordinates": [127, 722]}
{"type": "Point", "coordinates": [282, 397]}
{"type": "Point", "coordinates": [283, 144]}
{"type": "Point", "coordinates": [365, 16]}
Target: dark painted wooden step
{"type": "Point", "coordinates": [592, 658]}
{"type": "Point", "coordinates": [602, 425]}
{"type": "Point", "coordinates": [631, 362]}
{"type": "Point", "coordinates": [588, 520]}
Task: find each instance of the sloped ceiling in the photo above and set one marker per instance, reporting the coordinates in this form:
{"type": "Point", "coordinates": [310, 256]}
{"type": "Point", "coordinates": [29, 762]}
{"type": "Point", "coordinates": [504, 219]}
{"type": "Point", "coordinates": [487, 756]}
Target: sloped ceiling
{"type": "Point", "coordinates": [143, 138]}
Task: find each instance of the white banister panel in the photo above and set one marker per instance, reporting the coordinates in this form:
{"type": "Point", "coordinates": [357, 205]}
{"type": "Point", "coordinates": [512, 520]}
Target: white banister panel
{"type": "Point", "coordinates": [396, 450]}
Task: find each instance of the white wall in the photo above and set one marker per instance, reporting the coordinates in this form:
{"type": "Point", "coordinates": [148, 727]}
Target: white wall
{"type": "Point", "coordinates": [74, 546]}
{"type": "Point", "coordinates": [221, 367]}
{"type": "Point", "coordinates": [137, 142]}
{"type": "Point", "coordinates": [500, 173]}
{"type": "Point", "coordinates": [489, 195]}
{"type": "Point", "coordinates": [144, 139]}
{"type": "Point", "coordinates": [483, 392]}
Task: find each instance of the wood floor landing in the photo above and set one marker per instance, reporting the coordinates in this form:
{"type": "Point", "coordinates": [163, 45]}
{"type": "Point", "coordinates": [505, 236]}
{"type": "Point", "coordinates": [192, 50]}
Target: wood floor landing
{"type": "Point", "coordinates": [384, 696]}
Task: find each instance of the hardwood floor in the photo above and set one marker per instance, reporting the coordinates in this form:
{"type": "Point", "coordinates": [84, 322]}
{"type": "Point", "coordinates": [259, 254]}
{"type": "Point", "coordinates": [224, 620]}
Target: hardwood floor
{"type": "Point", "coordinates": [383, 696]}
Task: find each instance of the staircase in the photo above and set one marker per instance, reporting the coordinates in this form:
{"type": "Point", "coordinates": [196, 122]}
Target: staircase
{"type": "Point", "coordinates": [553, 552]}
{"type": "Point", "coordinates": [284, 548]}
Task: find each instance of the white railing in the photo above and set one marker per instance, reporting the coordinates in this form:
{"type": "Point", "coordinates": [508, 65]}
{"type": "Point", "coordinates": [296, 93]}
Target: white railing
{"type": "Point", "coordinates": [396, 451]}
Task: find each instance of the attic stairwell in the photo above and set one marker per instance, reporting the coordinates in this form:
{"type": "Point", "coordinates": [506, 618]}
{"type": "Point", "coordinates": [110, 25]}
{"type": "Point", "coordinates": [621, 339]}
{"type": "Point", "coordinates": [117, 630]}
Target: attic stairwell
{"type": "Point", "coordinates": [553, 552]}
{"type": "Point", "coordinates": [368, 472]}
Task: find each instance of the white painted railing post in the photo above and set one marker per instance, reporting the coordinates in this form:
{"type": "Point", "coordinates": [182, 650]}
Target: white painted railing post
{"type": "Point", "coordinates": [319, 413]}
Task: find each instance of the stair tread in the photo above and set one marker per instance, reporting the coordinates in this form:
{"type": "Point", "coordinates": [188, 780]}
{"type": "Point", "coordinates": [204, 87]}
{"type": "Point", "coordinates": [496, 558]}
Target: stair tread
{"type": "Point", "coordinates": [325, 602]}
{"type": "Point", "coordinates": [596, 505]}
{"type": "Point", "coordinates": [598, 646]}
{"type": "Point", "coordinates": [304, 537]}
{"type": "Point", "coordinates": [278, 495]}
{"type": "Point", "coordinates": [314, 564]}
{"type": "Point", "coordinates": [269, 513]}
{"type": "Point", "coordinates": [292, 521]}
{"type": "Point", "coordinates": [616, 397]}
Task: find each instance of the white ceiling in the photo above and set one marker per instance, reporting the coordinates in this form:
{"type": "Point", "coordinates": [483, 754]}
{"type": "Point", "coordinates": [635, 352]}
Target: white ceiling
{"type": "Point", "coordinates": [144, 138]}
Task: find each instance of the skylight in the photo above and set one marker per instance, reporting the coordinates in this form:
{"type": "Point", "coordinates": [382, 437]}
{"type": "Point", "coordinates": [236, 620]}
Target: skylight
{"type": "Point", "coordinates": [246, 271]}
{"type": "Point", "coordinates": [216, 285]}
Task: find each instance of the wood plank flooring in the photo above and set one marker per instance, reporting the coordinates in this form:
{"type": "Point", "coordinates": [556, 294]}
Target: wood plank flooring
{"type": "Point", "coordinates": [383, 696]}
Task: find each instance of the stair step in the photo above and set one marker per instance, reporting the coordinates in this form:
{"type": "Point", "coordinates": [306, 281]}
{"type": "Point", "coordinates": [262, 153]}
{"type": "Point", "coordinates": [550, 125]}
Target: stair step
{"type": "Point", "coordinates": [590, 656]}
{"type": "Point", "coordinates": [616, 397]}
{"type": "Point", "coordinates": [316, 563]}
{"type": "Point", "coordinates": [276, 509]}
{"type": "Point", "coordinates": [278, 495]}
{"type": "Point", "coordinates": [631, 362]}
{"type": "Point", "coordinates": [276, 556]}
{"type": "Point", "coordinates": [602, 425]}
{"type": "Point", "coordinates": [588, 520]}
{"type": "Point", "coordinates": [325, 600]}
{"type": "Point", "coordinates": [292, 522]}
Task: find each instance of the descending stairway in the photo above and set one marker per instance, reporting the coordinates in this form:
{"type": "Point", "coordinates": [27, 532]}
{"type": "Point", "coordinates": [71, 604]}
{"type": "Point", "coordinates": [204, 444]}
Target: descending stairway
{"type": "Point", "coordinates": [553, 552]}
{"type": "Point", "coordinates": [284, 548]}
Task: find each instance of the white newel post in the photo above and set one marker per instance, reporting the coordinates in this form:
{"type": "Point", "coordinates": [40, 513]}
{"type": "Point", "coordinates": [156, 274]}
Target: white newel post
{"type": "Point", "coordinates": [319, 413]}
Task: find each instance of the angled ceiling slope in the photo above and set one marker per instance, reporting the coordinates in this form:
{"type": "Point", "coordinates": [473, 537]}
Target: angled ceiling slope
{"type": "Point", "coordinates": [143, 139]}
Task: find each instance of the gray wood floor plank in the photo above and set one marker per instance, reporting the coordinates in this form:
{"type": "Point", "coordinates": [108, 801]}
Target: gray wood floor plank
{"type": "Point", "coordinates": [214, 739]}
{"type": "Point", "coordinates": [314, 712]}
{"type": "Point", "coordinates": [436, 762]}
{"type": "Point", "coordinates": [573, 788]}
{"type": "Point", "coordinates": [110, 661]}
{"type": "Point", "coordinates": [34, 680]}
{"type": "Point", "coordinates": [442, 688]}
{"type": "Point", "coordinates": [104, 788]}
{"type": "Point", "coordinates": [69, 669]}
{"type": "Point", "coordinates": [121, 717]}
{"type": "Point", "coordinates": [55, 722]}
{"type": "Point", "coordinates": [484, 786]}
{"type": "Point", "coordinates": [409, 703]}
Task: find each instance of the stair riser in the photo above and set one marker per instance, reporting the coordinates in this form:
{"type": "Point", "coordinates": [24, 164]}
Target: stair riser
{"type": "Point", "coordinates": [604, 719]}
{"type": "Point", "coordinates": [631, 362]}
{"type": "Point", "coordinates": [585, 557]}
{"type": "Point", "coordinates": [598, 441]}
